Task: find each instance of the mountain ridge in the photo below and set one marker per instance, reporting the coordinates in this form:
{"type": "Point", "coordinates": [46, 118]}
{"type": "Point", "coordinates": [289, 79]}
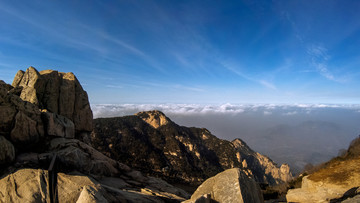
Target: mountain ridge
{"type": "Point", "coordinates": [180, 150]}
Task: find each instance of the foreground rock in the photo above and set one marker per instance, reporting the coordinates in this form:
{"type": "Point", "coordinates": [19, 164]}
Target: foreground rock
{"type": "Point", "coordinates": [333, 180]}
{"type": "Point", "coordinates": [162, 148]}
{"type": "Point", "coordinates": [58, 92]}
{"type": "Point", "coordinates": [232, 185]}
{"type": "Point", "coordinates": [30, 185]}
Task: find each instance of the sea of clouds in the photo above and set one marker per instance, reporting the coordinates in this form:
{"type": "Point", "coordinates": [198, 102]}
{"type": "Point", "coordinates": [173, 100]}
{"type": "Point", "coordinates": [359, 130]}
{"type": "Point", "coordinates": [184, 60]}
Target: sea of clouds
{"type": "Point", "coordinates": [111, 110]}
{"type": "Point", "coordinates": [297, 134]}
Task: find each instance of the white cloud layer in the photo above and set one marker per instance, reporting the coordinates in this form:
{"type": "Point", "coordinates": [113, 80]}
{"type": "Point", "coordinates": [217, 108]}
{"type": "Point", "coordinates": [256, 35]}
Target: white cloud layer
{"type": "Point", "coordinates": [113, 110]}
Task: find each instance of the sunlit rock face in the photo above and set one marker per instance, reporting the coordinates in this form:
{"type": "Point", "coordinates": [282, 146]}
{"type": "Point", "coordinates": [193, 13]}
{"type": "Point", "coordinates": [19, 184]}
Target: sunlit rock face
{"type": "Point", "coordinates": [232, 185]}
{"type": "Point", "coordinates": [151, 142]}
{"type": "Point", "coordinates": [154, 118]}
{"type": "Point", "coordinates": [58, 92]}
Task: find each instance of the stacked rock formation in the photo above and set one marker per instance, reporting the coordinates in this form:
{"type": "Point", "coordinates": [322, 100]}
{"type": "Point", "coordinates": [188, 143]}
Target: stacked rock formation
{"type": "Point", "coordinates": [58, 93]}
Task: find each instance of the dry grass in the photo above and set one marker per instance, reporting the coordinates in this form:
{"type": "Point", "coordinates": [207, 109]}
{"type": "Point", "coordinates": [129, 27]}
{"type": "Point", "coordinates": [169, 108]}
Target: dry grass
{"type": "Point", "coordinates": [338, 171]}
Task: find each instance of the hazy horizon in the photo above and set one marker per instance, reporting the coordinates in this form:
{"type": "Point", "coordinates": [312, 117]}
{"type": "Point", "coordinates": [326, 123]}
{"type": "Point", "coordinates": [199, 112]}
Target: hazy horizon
{"type": "Point", "coordinates": [294, 134]}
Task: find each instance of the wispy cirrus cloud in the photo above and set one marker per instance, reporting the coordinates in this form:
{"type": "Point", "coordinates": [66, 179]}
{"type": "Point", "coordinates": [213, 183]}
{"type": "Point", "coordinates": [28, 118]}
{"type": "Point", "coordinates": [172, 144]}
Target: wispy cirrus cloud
{"type": "Point", "coordinates": [262, 82]}
{"type": "Point", "coordinates": [319, 60]}
{"type": "Point", "coordinates": [195, 89]}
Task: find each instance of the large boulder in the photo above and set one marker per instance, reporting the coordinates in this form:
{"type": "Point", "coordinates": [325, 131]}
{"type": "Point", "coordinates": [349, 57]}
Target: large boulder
{"type": "Point", "coordinates": [59, 93]}
{"type": "Point", "coordinates": [77, 155]}
{"type": "Point", "coordinates": [232, 185]}
{"type": "Point", "coordinates": [31, 185]}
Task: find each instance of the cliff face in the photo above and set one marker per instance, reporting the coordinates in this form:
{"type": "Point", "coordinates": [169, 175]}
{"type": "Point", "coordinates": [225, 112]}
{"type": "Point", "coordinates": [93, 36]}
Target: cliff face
{"type": "Point", "coordinates": [163, 148]}
{"type": "Point", "coordinates": [335, 180]}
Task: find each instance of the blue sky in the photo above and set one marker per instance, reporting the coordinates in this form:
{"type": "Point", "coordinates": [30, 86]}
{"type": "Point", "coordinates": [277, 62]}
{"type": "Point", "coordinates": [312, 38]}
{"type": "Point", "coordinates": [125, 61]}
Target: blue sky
{"type": "Point", "coordinates": [190, 51]}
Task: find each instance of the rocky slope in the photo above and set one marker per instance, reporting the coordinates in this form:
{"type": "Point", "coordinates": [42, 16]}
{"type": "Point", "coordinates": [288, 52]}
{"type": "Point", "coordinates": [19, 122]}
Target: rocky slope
{"type": "Point", "coordinates": [162, 148]}
{"type": "Point", "coordinates": [335, 181]}
{"type": "Point", "coordinates": [44, 114]}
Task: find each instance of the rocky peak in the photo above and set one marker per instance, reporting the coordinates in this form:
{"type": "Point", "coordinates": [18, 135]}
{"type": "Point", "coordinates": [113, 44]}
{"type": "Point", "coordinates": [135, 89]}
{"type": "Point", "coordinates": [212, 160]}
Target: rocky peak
{"type": "Point", "coordinates": [154, 118]}
{"type": "Point", "coordinates": [241, 145]}
{"type": "Point", "coordinates": [58, 92]}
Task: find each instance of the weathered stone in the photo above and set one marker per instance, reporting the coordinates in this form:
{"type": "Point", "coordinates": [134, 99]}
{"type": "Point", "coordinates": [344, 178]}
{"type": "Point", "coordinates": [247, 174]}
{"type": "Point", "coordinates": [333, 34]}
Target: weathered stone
{"type": "Point", "coordinates": [30, 81]}
{"type": "Point", "coordinates": [59, 93]}
{"type": "Point", "coordinates": [20, 121]}
{"type": "Point", "coordinates": [31, 185]}
{"type": "Point", "coordinates": [232, 185]}
{"type": "Point", "coordinates": [80, 156]}
{"type": "Point", "coordinates": [25, 131]}
{"type": "Point", "coordinates": [57, 125]}
{"type": "Point", "coordinates": [154, 118]}
{"type": "Point", "coordinates": [7, 151]}
{"type": "Point", "coordinates": [17, 79]}
{"type": "Point", "coordinates": [26, 185]}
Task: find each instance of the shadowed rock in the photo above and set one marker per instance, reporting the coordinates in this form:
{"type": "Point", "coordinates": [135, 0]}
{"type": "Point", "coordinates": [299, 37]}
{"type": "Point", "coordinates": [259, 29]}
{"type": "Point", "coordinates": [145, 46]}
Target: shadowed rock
{"type": "Point", "coordinates": [20, 121]}
{"type": "Point", "coordinates": [7, 151]}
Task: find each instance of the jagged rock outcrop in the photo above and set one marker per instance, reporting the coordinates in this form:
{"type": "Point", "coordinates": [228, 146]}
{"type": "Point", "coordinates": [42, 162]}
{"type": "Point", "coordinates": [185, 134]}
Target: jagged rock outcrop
{"type": "Point", "coordinates": [161, 147]}
{"type": "Point", "coordinates": [262, 167]}
{"type": "Point", "coordinates": [332, 179]}
{"type": "Point", "coordinates": [154, 118]}
{"type": "Point", "coordinates": [20, 121]}
{"type": "Point", "coordinates": [59, 93]}
{"type": "Point", "coordinates": [232, 185]}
